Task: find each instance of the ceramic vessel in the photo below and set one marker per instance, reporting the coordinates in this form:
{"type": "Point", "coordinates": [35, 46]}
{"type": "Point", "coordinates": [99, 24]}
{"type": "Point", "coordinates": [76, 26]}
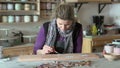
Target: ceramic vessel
{"type": "Point", "coordinates": [117, 20]}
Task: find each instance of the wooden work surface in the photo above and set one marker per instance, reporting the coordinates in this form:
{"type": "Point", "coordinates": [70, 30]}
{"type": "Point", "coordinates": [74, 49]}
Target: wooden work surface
{"type": "Point", "coordinates": [58, 57]}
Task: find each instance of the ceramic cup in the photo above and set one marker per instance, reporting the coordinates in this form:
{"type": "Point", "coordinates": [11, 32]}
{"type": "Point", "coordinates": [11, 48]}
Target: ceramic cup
{"type": "Point", "coordinates": [108, 48]}
{"type": "Point", "coordinates": [116, 50]}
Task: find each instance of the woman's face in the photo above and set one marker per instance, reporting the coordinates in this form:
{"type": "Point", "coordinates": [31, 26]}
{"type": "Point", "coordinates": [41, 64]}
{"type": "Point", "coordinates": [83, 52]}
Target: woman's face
{"type": "Point", "coordinates": [64, 25]}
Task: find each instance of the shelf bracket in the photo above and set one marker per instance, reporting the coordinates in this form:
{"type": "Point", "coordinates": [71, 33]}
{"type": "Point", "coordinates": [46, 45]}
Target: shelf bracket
{"type": "Point", "coordinates": [76, 5]}
{"type": "Point", "coordinates": [79, 6]}
{"type": "Point", "coordinates": [101, 6]}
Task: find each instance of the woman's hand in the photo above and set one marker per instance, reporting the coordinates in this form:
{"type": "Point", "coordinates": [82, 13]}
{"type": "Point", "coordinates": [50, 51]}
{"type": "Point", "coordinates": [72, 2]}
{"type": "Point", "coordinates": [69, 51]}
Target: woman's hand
{"type": "Point", "coordinates": [47, 49]}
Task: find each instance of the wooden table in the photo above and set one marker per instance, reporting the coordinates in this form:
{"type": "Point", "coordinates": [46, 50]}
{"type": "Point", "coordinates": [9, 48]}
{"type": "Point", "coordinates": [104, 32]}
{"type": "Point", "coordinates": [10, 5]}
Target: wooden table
{"type": "Point", "coordinates": [98, 63]}
{"type": "Point", "coordinates": [91, 43]}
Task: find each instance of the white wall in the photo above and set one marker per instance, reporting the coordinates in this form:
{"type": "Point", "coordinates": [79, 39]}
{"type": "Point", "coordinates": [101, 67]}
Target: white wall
{"type": "Point", "coordinates": [88, 10]}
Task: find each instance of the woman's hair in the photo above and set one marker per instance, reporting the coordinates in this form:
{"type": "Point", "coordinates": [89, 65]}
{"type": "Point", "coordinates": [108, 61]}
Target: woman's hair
{"type": "Point", "coordinates": [65, 12]}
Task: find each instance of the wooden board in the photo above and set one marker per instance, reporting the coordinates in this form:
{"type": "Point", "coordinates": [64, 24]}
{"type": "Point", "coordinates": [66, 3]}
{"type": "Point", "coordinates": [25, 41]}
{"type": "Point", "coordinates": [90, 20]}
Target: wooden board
{"type": "Point", "coordinates": [58, 57]}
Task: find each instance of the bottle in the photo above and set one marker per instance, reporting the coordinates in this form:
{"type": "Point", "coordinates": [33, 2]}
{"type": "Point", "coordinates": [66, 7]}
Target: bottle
{"type": "Point", "coordinates": [94, 30]}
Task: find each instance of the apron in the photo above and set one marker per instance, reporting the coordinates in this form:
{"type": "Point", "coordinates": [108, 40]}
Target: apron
{"type": "Point", "coordinates": [59, 47]}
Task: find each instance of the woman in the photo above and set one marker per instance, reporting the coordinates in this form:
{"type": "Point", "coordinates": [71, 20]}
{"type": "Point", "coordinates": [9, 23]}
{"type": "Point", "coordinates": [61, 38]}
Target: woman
{"type": "Point", "coordinates": [61, 35]}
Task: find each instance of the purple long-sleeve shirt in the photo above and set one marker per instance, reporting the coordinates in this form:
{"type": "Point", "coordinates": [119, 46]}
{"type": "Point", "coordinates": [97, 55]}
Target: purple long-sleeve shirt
{"type": "Point", "coordinates": [40, 41]}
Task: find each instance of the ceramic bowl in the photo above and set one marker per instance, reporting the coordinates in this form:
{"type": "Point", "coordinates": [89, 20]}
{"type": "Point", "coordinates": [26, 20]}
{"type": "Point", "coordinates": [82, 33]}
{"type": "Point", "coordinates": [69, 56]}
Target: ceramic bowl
{"type": "Point", "coordinates": [111, 57]}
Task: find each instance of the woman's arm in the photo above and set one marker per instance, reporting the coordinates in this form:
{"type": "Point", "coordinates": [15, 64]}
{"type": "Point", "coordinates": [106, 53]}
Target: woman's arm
{"type": "Point", "coordinates": [79, 42]}
{"type": "Point", "coordinates": [40, 40]}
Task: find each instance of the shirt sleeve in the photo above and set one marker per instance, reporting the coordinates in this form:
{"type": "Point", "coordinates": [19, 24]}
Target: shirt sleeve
{"type": "Point", "coordinates": [79, 42]}
{"type": "Point", "coordinates": [40, 40]}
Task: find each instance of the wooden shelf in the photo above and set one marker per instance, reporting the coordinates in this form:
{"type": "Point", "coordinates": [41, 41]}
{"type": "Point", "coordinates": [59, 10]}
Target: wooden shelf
{"type": "Point", "coordinates": [27, 11]}
{"type": "Point", "coordinates": [49, 2]}
{"type": "Point", "coordinates": [18, 23]}
{"type": "Point", "coordinates": [52, 1]}
{"type": "Point", "coordinates": [20, 12]}
{"type": "Point", "coordinates": [98, 1]}
{"type": "Point", "coordinates": [31, 2]}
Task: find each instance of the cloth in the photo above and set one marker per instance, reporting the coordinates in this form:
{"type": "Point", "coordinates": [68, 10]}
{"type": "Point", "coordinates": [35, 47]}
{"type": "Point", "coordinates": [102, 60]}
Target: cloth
{"type": "Point", "coordinates": [52, 33]}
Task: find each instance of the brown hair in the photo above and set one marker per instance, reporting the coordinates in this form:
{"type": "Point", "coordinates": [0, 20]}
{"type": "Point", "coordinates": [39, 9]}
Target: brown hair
{"type": "Point", "coordinates": [65, 12]}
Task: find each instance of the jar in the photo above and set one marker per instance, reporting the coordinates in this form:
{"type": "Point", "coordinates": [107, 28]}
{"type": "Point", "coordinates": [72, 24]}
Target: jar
{"type": "Point", "coordinates": [33, 7]}
{"type": "Point", "coordinates": [4, 7]}
{"type": "Point", "coordinates": [35, 18]}
{"type": "Point", "coordinates": [4, 18]}
{"type": "Point", "coordinates": [117, 21]}
{"type": "Point", "coordinates": [10, 6]}
{"type": "Point", "coordinates": [17, 19]}
{"type": "Point", "coordinates": [27, 7]}
{"type": "Point", "coordinates": [53, 6]}
{"type": "Point", "coordinates": [27, 19]}
{"type": "Point", "coordinates": [21, 18]}
{"type": "Point", "coordinates": [49, 6]}
{"type": "Point", "coordinates": [10, 19]}
{"type": "Point", "coordinates": [18, 6]}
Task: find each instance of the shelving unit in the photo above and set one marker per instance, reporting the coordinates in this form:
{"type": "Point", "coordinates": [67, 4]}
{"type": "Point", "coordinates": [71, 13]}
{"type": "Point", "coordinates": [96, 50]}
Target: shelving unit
{"type": "Point", "coordinates": [19, 11]}
{"type": "Point", "coordinates": [47, 7]}
{"type": "Point", "coordinates": [101, 3]}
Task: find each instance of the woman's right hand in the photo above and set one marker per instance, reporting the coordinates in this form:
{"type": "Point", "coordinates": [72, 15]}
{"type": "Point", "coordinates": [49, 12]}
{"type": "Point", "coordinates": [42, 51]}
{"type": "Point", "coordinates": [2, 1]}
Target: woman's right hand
{"type": "Point", "coordinates": [47, 49]}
